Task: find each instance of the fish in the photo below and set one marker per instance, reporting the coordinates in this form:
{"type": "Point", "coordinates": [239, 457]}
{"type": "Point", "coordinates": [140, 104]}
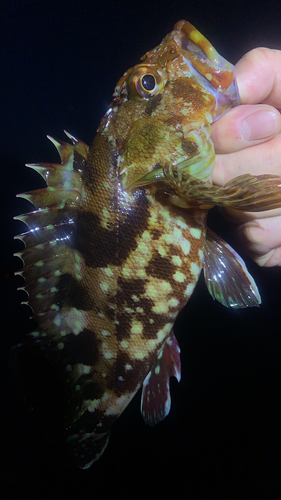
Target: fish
{"type": "Point", "coordinates": [118, 238]}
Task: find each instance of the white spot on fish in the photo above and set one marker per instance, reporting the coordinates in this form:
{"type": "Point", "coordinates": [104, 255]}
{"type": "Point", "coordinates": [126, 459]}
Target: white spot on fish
{"type": "Point", "coordinates": [195, 232]}
{"type": "Point", "coordinates": [195, 270]}
{"type": "Point", "coordinates": [104, 287]}
{"type": "Point", "coordinates": [179, 277]}
{"type": "Point", "coordinates": [185, 245]}
{"type": "Point", "coordinates": [177, 233]}
{"type": "Point", "coordinates": [162, 251]}
{"type": "Point", "coordinates": [136, 328]}
{"type": "Point", "coordinates": [107, 354]}
{"type": "Point", "coordinates": [176, 260]}
{"type": "Point", "coordinates": [160, 308]}
{"type": "Point", "coordinates": [58, 320]}
{"type": "Point", "coordinates": [173, 302]}
{"type": "Point", "coordinates": [108, 272]}
{"type": "Point", "coordinates": [105, 333]}
{"type": "Point", "coordinates": [92, 405]}
{"type": "Point", "coordinates": [189, 289]}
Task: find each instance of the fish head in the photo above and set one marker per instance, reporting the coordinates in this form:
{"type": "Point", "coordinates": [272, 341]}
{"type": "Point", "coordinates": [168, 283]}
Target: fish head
{"type": "Point", "coordinates": [163, 108]}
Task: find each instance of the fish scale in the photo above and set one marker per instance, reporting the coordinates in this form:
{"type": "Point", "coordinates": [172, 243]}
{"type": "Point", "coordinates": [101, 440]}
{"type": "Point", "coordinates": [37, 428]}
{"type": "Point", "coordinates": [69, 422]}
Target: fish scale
{"type": "Point", "coordinates": [119, 236]}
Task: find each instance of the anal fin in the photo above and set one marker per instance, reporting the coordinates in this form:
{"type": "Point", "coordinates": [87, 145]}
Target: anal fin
{"type": "Point", "coordinates": [156, 399]}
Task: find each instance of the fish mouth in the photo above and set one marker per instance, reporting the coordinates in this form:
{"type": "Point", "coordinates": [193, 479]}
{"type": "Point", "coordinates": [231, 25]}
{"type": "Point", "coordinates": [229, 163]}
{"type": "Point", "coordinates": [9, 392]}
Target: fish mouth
{"type": "Point", "coordinates": [200, 167]}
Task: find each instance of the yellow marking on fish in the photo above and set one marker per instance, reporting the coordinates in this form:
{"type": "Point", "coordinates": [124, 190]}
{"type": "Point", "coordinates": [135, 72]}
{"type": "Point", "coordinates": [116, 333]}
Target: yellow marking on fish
{"type": "Point", "coordinates": [160, 308]}
{"type": "Point", "coordinates": [168, 238]}
{"type": "Point", "coordinates": [105, 333]}
{"type": "Point", "coordinates": [107, 354]}
{"type": "Point", "coordinates": [179, 277]}
{"type": "Point", "coordinates": [137, 327]}
{"type": "Point", "coordinates": [181, 222]}
{"type": "Point", "coordinates": [108, 272]}
{"type": "Point", "coordinates": [176, 260]}
{"type": "Point", "coordinates": [185, 246]}
{"type": "Point", "coordinates": [195, 270]}
{"type": "Point", "coordinates": [104, 287]}
{"type": "Point", "coordinates": [92, 405]}
{"type": "Point", "coordinates": [128, 310]}
{"type": "Point", "coordinates": [173, 302]}
{"type": "Point", "coordinates": [195, 232]}
{"type": "Point", "coordinates": [189, 289]}
{"type": "Point", "coordinates": [162, 251]}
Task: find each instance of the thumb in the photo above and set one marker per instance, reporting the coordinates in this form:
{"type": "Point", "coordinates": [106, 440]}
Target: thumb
{"type": "Point", "coordinates": [245, 126]}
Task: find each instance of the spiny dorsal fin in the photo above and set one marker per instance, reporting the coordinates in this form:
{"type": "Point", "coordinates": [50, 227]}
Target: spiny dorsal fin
{"type": "Point", "coordinates": [48, 253]}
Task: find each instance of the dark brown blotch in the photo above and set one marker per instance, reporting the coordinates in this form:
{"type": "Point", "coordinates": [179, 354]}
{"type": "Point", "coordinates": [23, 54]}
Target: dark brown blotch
{"type": "Point", "coordinates": [160, 267]}
{"type": "Point", "coordinates": [82, 348]}
{"type": "Point", "coordinates": [152, 104]}
{"type": "Point", "coordinates": [72, 293]}
{"type": "Point", "coordinates": [101, 246]}
{"type": "Point", "coordinates": [132, 377]}
{"type": "Point", "coordinates": [156, 234]}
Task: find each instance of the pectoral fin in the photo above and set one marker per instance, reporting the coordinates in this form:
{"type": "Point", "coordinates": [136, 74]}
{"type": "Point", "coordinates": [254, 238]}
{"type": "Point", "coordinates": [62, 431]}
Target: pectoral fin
{"type": "Point", "coordinates": [226, 275]}
{"type": "Point", "coordinates": [252, 193]}
{"type": "Point", "coordinates": [246, 192]}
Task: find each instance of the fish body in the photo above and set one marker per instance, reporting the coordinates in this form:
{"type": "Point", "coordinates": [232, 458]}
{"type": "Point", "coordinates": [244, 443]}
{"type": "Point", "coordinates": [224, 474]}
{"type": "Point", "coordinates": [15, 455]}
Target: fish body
{"type": "Point", "coordinates": [118, 239]}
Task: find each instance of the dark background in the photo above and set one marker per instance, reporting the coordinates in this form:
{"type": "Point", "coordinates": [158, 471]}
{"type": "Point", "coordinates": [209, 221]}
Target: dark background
{"type": "Point", "coordinates": [61, 61]}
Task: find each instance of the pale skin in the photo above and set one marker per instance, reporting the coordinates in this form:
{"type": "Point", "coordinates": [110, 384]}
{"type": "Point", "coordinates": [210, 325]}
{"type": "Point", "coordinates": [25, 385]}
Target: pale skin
{"type": "Point", "coordinates": [248, 140]}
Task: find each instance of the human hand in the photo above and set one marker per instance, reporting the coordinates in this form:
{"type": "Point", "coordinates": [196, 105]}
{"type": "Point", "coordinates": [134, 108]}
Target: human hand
{"type": "Point", "coordinates": [248, 140]}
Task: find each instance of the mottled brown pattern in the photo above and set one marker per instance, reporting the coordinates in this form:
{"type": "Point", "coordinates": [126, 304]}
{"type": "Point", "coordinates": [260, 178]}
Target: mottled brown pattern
{"type": "Point", "coordinates": [129, 256]}
{"type": "Point", "coordinates": [77, 294]}
{"type": "Point", "coordinates": [139, 369]}
{"type": "Point", "coordinates": [102, 246]}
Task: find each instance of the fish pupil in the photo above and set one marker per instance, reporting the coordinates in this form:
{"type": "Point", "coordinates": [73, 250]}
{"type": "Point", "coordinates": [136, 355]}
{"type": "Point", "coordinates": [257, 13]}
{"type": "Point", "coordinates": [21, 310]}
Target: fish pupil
{"type": "Point", "coordinates": [148, 82]}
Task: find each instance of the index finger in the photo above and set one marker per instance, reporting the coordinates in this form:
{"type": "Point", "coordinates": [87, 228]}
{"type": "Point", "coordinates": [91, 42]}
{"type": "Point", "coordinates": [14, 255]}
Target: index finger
{"type": "Point", "coordinates": [259, 77]}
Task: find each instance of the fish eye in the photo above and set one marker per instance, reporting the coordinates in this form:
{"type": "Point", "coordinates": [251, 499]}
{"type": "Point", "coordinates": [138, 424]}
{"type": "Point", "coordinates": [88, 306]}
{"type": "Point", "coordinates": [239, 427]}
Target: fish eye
{"type": "Point", "coordinates": [145, 82]}
{"type": "Point", "coordinates": [148, 82]}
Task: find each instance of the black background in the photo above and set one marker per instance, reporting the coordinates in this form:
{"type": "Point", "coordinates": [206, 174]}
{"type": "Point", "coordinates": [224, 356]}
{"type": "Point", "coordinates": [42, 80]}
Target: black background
{"type": "Point", "coordinates": [61, 61]}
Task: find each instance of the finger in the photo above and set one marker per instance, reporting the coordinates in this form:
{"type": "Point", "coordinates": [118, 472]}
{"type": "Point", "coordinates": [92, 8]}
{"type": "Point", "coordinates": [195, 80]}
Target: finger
{"type": "Point", "coordinates": [262, 239]}
{"type": "Point", "coordinates": [245, 126]}
{"type": "Point", "coordinates": [263, 158]}
{"type": "Point", "coordinates": [240, 217]}
{"type": "Point", "coordinates": [259, 77]}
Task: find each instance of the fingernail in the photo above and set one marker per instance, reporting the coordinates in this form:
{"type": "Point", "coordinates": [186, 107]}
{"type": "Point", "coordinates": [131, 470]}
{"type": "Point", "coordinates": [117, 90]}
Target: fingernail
{"type": "Point", "coordinates": [259, 125]}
